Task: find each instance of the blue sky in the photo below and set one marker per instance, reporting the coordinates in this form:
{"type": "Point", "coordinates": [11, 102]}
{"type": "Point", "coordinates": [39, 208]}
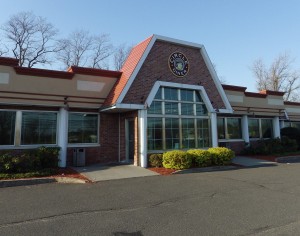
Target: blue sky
{"type": "Point", "coordinates": [234, 32]}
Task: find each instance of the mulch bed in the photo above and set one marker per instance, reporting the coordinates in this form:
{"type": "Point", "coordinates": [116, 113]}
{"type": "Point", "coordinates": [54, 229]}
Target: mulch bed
{"type": "Point", "coordinates": [70, 173]}
{"type": "Point", "coordinates": [162, 170]}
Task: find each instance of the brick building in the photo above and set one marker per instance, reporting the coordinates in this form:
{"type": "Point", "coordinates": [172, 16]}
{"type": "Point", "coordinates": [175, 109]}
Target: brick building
{"type": "Point", "coordinates": [167, 96]}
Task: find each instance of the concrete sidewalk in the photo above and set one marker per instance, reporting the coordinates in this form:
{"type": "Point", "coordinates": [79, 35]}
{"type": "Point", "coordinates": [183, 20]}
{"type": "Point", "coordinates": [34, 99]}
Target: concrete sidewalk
{"type": "Point", "coordinates": [251, 162]}
{"type": "Point", "coordinates": [100, 172]}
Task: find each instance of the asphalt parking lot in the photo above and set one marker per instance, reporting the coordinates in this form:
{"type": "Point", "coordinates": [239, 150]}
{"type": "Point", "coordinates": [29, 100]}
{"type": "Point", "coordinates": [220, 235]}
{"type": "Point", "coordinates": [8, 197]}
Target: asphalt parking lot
{"type": "Point", "coordinates": [243, 201]}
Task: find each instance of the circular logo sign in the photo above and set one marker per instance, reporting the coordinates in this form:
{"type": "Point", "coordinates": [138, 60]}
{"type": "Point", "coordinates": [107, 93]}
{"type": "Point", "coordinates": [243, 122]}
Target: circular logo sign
{"type": "Point", "coordinates": [179, 64]}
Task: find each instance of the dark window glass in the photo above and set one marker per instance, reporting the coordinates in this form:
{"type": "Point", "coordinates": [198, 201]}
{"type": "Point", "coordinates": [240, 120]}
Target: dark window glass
{"type": "Point", "coordinates": [201, 110]}
{"type": "Point", "coordinates": [253, 125]}
{"type": "Point", "coordinates": [171, 94]}
{"type": "Point", "coordinates": [203, 134]}
{"type": "Point", "coordinates": [154, 133]}
{"type": "Point", "coordinates": [266, 128]}
{"type": "Point", "coordinates": [221, 128]}
{"type": "Point", "coordinates": [38, 128]}
{"type": "Point", "coordinates": [234, 128]}
{"type": "Point", "coordinates": [7, 127]}
{"type": "Point", "coordinates": [158, 94]}
{"type": "Point", "coordinates": [187, 95]}
{"type": "Point", "coordinates": [187, 109]}
{"type": "Point", "coordinates": [83, 128]}
{"type": "Point", "coordinates": [155, 108]}
{"type": "Point", "coordinates": [198, 97]}
{"type": "Point", "coordinates": [188, 133]}
{"type": "Point", "coordinates": [172, 133]}
{"type": "Point", "coordinates": [171, 108]}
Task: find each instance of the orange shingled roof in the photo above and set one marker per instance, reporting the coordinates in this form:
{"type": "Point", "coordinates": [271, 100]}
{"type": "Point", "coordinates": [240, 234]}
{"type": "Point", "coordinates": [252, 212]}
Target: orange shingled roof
{"type": "Point", "coordinates": [127, 70]}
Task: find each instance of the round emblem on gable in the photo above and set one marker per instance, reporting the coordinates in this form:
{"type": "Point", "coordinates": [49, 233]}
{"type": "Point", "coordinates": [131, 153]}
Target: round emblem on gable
{"type": "Point", "coordinates": [179, 64]}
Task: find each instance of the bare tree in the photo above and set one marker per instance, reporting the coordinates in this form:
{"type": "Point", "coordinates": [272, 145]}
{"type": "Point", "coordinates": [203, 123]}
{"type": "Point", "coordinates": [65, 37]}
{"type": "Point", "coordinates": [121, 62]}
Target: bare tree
{"type": "Point", "coordinates": [30, 38]}
{"type": "Point", "coordinates": [278, 77]}
{"type": "Point", "coordinates": [101, 49]}
{"type": "Point", "coordinates": [120, 56]}
{"type": "Point", "coordinates": [83, 49]}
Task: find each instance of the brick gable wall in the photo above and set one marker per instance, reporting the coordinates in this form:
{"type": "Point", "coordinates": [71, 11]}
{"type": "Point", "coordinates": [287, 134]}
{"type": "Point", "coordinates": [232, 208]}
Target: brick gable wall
{"type": "Point", "coordinates": [156, 68]}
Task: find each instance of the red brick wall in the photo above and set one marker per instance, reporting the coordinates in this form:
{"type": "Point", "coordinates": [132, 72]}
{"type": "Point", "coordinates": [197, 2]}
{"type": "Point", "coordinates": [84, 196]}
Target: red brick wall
{"type": "Point", "coordinates": [108, 151]}
{"type": "Point", "coordinates": [237, 147]}
{"type": "Point", "coordinates": [156, 68]}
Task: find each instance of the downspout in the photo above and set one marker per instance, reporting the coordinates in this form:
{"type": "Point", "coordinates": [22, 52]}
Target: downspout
{"type": "Point", "coordinates": [119, 154]}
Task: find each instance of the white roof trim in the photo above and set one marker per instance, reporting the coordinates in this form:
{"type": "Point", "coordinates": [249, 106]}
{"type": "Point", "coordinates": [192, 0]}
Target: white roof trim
{"type": "Point", "coordinates": [124, 106]}
{"type": "Point", "coordinates": [178, 85]}
{"type": "Point", "coordinates": [185, 43]}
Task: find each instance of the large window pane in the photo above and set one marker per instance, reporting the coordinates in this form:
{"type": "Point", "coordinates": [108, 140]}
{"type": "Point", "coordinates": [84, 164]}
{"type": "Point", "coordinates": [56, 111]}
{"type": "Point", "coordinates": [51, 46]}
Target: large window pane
{"type": "Point", "coordinates": [38, 128]}
{"type": "Point", "coordinates": [266, 128]}
{"type": "Point", "coordinates": [201, 110]}
{"type": "Point", "coordinates": [188, 133]}
{"type": "Point", "coordinates": [187, 95]}
{"type": "Point", "coordinates": [253, 125]}
{"type": "Point", "coordinates": [7, 127]}
{"type": "Point", "coordinates": [221, 128]}
{"type": "Point", "coordinates": [234, 128]}
{"type": "Point", "coordinates": [172, 133]}
{"type": "Point", "coordinates": [203, 134]}
{"type": "Point", "coordinates": [171, 108]}
{"type": "Point", "coordinates": [171, 94]}
{"type": "Point", "coordinates": [83, 128]}
{"type": "Point", "coordinates": [155, 108]}
{"type": "Point", "coordinates": [187, 109]}
{"type": "Point", "coordinates": [154, 134]}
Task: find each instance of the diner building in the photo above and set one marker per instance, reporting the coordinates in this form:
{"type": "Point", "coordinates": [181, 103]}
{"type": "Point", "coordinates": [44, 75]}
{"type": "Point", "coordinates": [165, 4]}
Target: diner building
{"type": "Point", "coordinates": [167, 96]}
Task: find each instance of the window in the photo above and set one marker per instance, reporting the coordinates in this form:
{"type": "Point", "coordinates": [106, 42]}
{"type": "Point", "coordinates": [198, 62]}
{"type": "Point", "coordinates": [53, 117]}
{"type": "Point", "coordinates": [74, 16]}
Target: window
{"type": "Point", "coordinates": [83, 128]}
{"type": "Point", "coordinates": [154, 132]}
{"type": "Point", "coordinates": [7, 127]}
{"type": "Point", "coordinates": [229, 128]}
{"type": "Point", "coordinates": [38, 128]}
{"type": "Point", "coordinates": [260, 128]}
{"type": "Point", "coordinates": [178, 118]}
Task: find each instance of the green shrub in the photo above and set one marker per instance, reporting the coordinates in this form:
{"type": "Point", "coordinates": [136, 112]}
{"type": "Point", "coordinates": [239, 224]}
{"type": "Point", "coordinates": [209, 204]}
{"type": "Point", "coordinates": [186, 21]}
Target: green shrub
{"type": "Point", "coordinates": [23, 161]}
{"type": "Point", "coordinates": [48, 156]}
{"type": "Point", "coordinates": [202, 158]}
{"type": "Point", "coordinates": [221, 155]}
{"type": "Point", "coordinates": [177, 159]}
{"type": "Point", "coordinates": [155, 160]}
{"type": "Point", "coordinates": [291, 133]}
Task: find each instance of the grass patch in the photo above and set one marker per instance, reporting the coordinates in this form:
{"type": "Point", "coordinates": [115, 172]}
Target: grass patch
{"type": "Point", "coordinates": [39, 173]}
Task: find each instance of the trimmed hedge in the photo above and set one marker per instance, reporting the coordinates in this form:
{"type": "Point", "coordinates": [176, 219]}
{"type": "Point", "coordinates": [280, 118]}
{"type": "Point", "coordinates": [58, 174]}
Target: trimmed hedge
{"type": "Point", "coordinates": [23, 161]}
{"type": "Point", "coordinates": [201, 158]}
{"type": "Point", "coordinates": [177, 159]}
{"type": "Point", "coordinates": [221, 155]}
{"type": "Point", "coordinates": [156, 160]}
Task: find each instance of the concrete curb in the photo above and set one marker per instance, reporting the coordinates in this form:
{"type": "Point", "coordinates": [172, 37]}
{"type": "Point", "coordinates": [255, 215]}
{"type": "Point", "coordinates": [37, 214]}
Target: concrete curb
{"type": "Point", "coordinates": [22, 182]}
{"type": "Point", "coordinates": [35, 181]}
{"type": "Point", "coordinates": [205, 169]}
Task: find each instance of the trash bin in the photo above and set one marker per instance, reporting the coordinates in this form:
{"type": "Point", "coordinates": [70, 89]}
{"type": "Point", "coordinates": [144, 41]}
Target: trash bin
{"type": "Point", "coordinates": [78, 157]}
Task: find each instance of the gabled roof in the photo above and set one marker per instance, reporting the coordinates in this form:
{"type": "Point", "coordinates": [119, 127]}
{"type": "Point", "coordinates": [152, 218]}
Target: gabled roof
{"type": "Point", "coordinates": [136, 59]}
{"type": "Point", "coordinates": [127, 70]}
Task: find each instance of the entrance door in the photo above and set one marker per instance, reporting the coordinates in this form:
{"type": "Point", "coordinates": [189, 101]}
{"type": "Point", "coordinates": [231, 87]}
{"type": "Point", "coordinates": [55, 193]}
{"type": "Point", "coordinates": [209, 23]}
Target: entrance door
{"type": "Point", "coordinates": [130, 140]}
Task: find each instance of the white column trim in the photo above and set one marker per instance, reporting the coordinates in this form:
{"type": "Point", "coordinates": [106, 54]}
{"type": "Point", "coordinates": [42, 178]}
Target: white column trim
{"type": "Point", "coordinates": [63, 136]}
{"type": "Point", "coordinates": [142, 121]}
{"type": "Point", "coordinates": [245, 129]}
{"type": "Point", "coordinates": [214, 129]}
{"type": "Point", "coordinates": [276, 127]}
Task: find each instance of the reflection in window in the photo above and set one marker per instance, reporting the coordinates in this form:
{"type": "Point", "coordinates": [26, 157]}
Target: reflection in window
{"type": "Point", "coordinates": [38, 128]}
{"type": "Point", "coordinates": [154, 132]}
{"type": "Point", "coordinates": [188, 133]}
{"type": "Point", "coordinates": [7, 127]}
{"type": "Point", "coordinates": [171, 108]}
{"type": "Point", "coordinates": [221, 128]}
{"type": "Point", "coordinates": [234, 130]}
{"type": "Point", "coordinates": [203, 133]}
{"type": "Point", "coordinates": [83, 128]}
{"type": "Point", "coordinates": [266, 128]}
{"type": "Point", "coordinates": [172, 133]}
{"type": "Point", "coordinates": [171, 94]}
{"type": "Point", "coordinates": [155, 108]}
{"type": "Point", "coordinates": [253, 125]}
{"type": "Point", "coordinates": [187, 109]}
